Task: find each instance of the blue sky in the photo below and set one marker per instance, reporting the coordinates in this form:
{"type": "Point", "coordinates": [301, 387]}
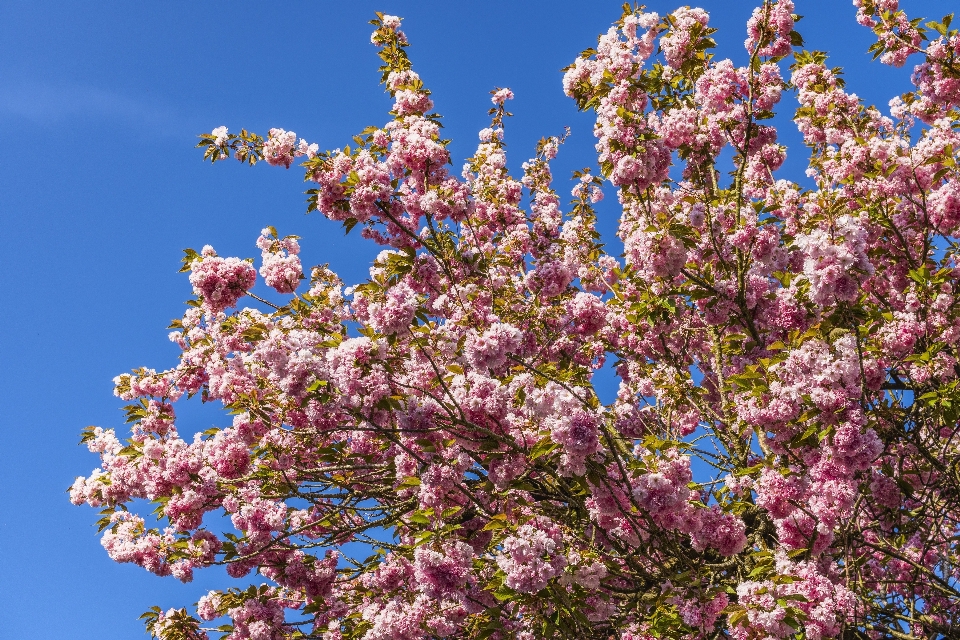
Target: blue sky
{"type": "Point", "coordinates": [100, 189]}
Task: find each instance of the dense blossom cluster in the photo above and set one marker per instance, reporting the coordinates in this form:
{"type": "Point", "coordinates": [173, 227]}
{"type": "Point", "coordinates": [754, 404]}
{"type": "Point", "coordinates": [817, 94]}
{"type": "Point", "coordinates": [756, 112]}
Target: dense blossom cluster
{"type": "Point", "coordinates": [281, 268]}
{"type": "Point", "coordinates": [780, 460]}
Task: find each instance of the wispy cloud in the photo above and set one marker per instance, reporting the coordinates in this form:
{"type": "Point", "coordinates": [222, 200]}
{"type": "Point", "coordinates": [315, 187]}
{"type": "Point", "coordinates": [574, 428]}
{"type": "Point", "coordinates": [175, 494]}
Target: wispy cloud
{"type": "Point", "coordinates": [47, 104]}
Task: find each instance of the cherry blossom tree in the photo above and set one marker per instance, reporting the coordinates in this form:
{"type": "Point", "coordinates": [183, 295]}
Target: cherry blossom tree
{"type": "Point", "coordinates": [800, 342]}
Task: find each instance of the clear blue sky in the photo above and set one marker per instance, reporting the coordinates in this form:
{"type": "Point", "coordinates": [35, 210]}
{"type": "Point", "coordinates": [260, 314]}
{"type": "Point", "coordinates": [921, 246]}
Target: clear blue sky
{"type": "Point", "coordinates": [100, 189]}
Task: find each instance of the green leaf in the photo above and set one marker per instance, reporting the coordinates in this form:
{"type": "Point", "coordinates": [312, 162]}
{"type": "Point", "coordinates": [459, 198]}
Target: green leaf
{"type": "Point", "coordinates": [418, 518]}
{"type": "Point", "coordinates": [542, 448]}
{"type": "Point", "coordinates": [504, 593]}
{"type": "Point", "coordinates": [498, 521]}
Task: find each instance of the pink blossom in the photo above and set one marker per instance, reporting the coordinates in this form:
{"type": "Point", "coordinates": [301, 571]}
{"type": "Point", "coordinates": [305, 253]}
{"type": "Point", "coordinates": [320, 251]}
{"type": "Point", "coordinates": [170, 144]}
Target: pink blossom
{"type": "Point", "coordinates": [770, 26]}
{"type": "Point", "coordinates": [489, 350]}
{"type": "Point", "coordinates": [678, 43]}
{"type": "Point", "coordinates": [579, 437]}
{"type": "Point", "coordinates": [501, 95]}
{"type": "Point", "coordinates": [587, 312]}
{"type": "Point", "coordinates": [443, 573]}
{"type": "Point", "coordinates": [532, 557]}
{"type": "Point", "coordinates": [281, 268]}
{"type": "Point", "coordinates": [221, 281]}
{"type": "Point", "coordinates": [220, 136]}
{"type": "Point", "coordinates": [280, 148]}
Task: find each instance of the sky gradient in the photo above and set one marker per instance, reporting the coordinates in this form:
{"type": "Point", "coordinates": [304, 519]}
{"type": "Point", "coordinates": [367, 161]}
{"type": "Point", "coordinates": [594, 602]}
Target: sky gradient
{"type": "Point", "coordinates": [101, 189]}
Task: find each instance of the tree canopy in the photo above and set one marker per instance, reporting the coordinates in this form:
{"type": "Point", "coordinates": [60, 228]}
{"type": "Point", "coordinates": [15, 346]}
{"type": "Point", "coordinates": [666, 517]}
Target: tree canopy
{"type": "Point", "coordinates": [424, 455]}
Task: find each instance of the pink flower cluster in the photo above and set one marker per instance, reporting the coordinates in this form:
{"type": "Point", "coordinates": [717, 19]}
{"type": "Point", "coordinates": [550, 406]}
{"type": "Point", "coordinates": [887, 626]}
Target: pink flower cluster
{"type": "Point", "coordinates": [281, 268]}
{"type": "Point", "coordinates": [679, 44]}
{"type": "Point", "coordinates": [835, 261]}
{"type": "Point", "coordinates": [221, 281]}
{"type": "Point", "coordinates": [281, 148]}
{"type": "Point", "coordinates": [443, 573]}
{"type": "Point", "coordinates": [502, 95]}
{"type": "Point", "coordinates": [533, 556]}
{"type": "Point", "coordinates": [489, 350]}
{"type": "Point", "coordinates": [768, 30]}
{"type": "Point", "coordinates": [807, 597]}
